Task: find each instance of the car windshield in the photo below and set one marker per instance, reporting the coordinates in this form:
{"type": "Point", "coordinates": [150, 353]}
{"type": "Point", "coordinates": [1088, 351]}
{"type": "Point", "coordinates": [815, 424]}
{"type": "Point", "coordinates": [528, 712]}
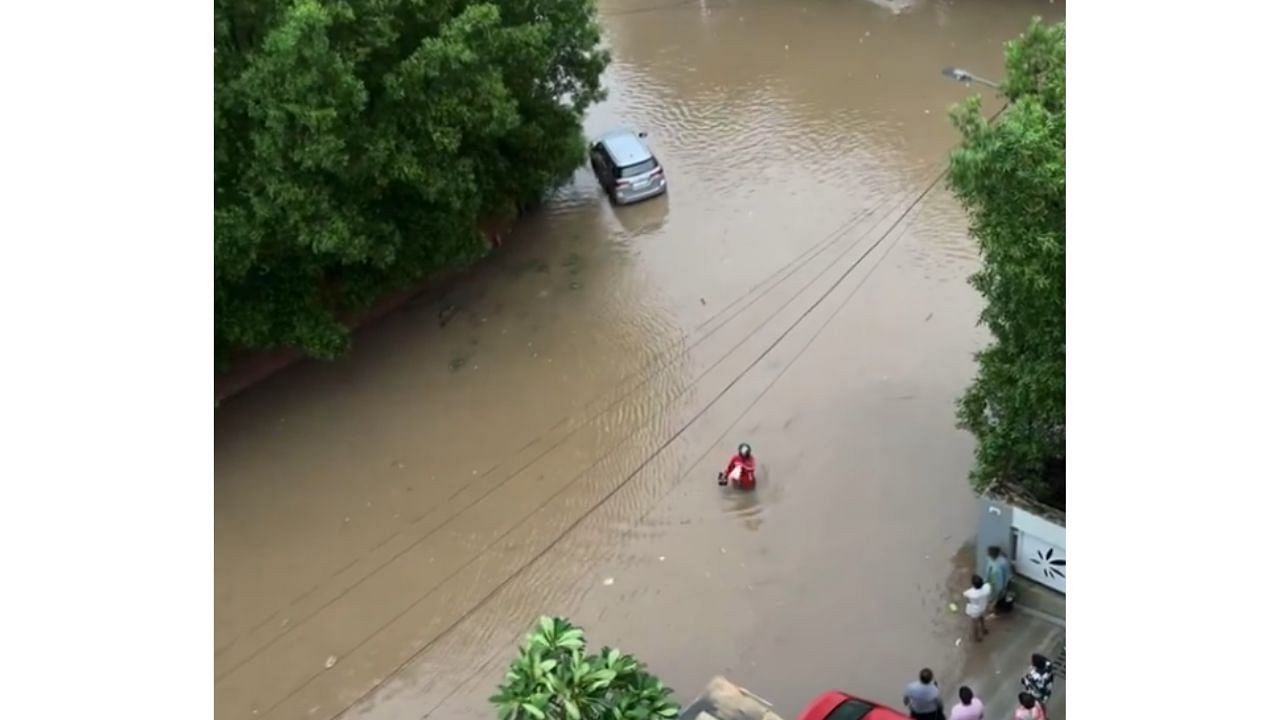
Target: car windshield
{"type": "Point", "coordinates": [639, 168]}
{"type": "Point", "coordinates": [849, 710]}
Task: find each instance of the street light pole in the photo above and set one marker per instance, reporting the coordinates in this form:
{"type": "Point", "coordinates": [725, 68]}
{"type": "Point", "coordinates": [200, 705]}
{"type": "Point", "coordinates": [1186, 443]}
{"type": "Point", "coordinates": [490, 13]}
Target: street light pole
{"type": "Point", "coordinates": [965, 76]}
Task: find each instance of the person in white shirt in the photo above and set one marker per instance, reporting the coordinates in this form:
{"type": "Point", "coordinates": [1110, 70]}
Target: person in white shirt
{"type": "Point", "coordinates": [976, 600]}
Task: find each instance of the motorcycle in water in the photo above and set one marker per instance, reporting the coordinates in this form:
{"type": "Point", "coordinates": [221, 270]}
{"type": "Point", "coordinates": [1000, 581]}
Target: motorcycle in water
{"type": "Point", "coordinates": [741, 470]}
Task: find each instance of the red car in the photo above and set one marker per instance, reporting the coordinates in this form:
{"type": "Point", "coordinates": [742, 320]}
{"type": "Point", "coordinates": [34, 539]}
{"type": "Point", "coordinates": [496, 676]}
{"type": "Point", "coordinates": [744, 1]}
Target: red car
{"type": "Point", "coordinates": [836, 705]}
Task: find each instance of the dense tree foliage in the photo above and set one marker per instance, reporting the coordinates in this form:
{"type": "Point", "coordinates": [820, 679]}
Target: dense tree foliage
{"type": "Point", "coordinates": [554, 678]}
{"type": "Point", "coordinates": [358, 143]}
{"type": "Point", "coordinates": [1010, 175]}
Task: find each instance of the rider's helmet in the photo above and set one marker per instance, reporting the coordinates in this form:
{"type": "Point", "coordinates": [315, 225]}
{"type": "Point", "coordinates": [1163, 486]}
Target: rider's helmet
{"type": "Point", "coordinates": [744, 450]}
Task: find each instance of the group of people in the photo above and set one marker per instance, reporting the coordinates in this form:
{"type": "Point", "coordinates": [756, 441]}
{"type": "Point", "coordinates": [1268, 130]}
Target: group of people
{"type": "Point", "coordinates": [989, 592]}
{"type": "Point", "coordinates": [923, 697]}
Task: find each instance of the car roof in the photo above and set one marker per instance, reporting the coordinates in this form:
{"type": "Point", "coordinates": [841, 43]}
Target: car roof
{"type": "Point", "coordinates": [826, 703]}
{"type": "Point", "coordinates": [625, 147]}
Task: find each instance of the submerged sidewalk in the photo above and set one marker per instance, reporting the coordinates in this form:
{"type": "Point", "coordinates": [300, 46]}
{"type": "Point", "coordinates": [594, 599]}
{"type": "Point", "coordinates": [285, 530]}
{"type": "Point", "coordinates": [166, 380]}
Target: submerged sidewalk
{"type": "Point", "coordinates": [994, 668]}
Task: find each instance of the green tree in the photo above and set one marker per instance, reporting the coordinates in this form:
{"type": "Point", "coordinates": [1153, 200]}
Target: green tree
{"type": "Point", "coordinates": [359, 143]}
{"type": "Point", "coordinates": [1010, 175]}
{"type": "Point", "coordinates": [554, 678]}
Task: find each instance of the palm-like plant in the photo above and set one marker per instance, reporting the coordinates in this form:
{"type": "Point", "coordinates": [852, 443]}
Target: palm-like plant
{"type": "Point", "coordinates": [554, 678]}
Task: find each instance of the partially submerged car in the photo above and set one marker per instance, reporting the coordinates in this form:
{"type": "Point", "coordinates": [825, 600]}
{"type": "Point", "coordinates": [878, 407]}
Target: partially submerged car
{"type": "Point", "coordinates": [626, 168]}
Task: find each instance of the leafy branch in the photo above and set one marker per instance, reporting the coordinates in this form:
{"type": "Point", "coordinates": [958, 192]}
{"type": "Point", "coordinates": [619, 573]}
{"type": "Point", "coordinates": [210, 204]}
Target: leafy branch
{"type": "Point", "coordinates": [553, 677]}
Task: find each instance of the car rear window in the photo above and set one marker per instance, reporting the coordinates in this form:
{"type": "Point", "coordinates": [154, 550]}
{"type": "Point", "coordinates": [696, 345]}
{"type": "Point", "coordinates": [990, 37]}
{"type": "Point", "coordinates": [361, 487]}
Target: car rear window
{"type": "Point", "coordinates": [637, 169]}
{"type": "Point", "coordinates": [849, 710]}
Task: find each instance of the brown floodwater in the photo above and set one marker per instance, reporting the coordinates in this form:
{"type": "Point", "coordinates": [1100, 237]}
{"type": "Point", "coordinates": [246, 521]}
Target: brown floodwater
{"type": "Point", "coordinates": [544, 437]}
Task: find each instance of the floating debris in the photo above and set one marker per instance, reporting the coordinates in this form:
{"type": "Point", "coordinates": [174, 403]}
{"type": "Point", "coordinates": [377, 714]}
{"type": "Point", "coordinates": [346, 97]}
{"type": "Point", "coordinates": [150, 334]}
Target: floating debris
{"type": "Point", "coordinates": [608, 581]}
{"type": "Point", "coordinates": [953, 607]}
{"type": "Point", "coordinates": [446, 314]}
{"type": "Point", "coordinates": [333, 660]}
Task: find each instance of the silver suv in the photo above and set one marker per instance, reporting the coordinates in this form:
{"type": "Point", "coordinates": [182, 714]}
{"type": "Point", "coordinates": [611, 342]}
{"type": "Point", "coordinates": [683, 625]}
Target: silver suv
{"type": "Point", "coordinates": [626, 168]}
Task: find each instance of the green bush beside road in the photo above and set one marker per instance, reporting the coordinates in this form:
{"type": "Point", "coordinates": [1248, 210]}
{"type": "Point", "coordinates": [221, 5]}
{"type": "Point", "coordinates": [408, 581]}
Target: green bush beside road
{"type": "Point", "coordinates": [1010, 175]}
{"type": "Point", "coordinates": [359, 143]}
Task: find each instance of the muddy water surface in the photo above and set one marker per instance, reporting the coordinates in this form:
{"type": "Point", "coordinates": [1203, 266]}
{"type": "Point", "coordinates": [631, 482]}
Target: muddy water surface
{"type": "Point", "coordinates": [388, 526]}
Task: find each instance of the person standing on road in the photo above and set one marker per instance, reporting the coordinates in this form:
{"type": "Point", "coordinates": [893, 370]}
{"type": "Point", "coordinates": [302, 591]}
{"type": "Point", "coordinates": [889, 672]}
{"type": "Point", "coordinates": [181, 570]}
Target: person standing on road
{"type": "Point", "coordinates": [1039, 680]}
{"type": "Point", "coordinates": [999, 574]}
{"type": "Point", "coordinates": [923, 698]}
{"type": "Point", "coordinates": [969, 707]}
{"type": "Point", "coordinates": [976, 600]}
{"type": "Point", "coordinates": [1028, 708]}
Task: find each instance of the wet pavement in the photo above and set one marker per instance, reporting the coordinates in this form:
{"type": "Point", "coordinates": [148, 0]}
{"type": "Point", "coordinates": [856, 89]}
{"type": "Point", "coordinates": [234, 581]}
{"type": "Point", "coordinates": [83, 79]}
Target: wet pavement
{"type": "Point", "coordinates": [387, 527]}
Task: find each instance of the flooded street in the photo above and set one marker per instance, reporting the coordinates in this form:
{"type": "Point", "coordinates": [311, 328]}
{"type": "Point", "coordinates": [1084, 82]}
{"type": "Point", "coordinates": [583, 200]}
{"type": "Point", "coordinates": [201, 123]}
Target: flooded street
{"type": "Point", "coordinates": [544, 437]}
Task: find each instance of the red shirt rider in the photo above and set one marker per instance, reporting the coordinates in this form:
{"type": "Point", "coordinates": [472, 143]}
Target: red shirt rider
{"type": "Point", "coordinates": [743, 459]}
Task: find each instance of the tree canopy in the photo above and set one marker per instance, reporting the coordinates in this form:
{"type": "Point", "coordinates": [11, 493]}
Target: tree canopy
{"type": "Point", "coordinates": [553, 677]}
{"type": "Point", "coordinates": [1010, 175]}
{"type": "Point", "coordinates": [359, 143]}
